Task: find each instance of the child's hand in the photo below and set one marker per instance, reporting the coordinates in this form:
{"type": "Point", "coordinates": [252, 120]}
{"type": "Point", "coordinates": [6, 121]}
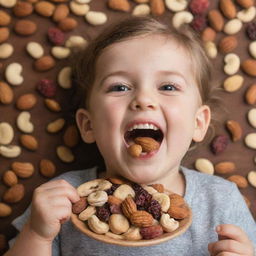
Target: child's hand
{"type": "Point", "coordinates": [51, 206]}
{"type": "Point", "coordinates": [233, 242]}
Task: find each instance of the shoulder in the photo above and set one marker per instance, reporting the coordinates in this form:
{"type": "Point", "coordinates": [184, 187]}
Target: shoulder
{"type": "Point", "coordinates": [77, 177]}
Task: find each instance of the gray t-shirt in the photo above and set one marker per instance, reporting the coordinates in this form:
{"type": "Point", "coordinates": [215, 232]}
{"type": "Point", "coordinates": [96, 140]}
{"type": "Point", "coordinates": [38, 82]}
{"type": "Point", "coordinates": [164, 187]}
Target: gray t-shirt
{"type": "Point", "coordinates": [213, 200]}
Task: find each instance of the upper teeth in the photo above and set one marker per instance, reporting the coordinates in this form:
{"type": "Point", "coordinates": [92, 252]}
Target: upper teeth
{"type": "Point", "coordinates": [143, 126]}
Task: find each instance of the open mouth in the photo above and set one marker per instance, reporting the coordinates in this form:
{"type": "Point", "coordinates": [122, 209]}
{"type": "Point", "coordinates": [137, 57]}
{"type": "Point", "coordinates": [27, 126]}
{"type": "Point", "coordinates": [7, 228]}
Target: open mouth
{"type": "Point", "coordinates": [143, 131]}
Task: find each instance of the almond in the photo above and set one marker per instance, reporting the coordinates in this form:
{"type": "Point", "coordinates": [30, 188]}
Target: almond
{"type": "Point", "coordinates": [60, 13]}
{"type": "Point", "coordinates": [44, 8]}
{"type": "Point", "coordinates": [4, 34]}
{"type": "Point", "coordinates": [44, 63]}
{"type": "Point", "coordinates": [228, 44]}
{"type": "Point", "coordinates": [224, 167]}
{"type": "Point", "coordinates": [216, 20]}
{"type": "Point", "coordinates": [22, 9]}
{"type": "Point", "coordinates": [67, 24]}
{"type": "Point", "coordinates": [6, 93]}
{"type": "Point", "coordinates": [52, 105]}
{"type": "Point", "coordinates": [135, 150]}
{"type": "Point", "coordinates": [14, 194]}
{"type": "Point", "coordinates": [47, 168]}
{"type": "Point", "coordinates": [128, 207]}
{"type": "Point", "coordinates": [208, 34]}
{"type": "Point", "coordinates": [235, 130]}
{"type": "Point", "coordinates": [29, 142]}
{"type": "Point", "coordinates": [25, 27]}
{"type": "Point", "coordinates": [239, 180]}
{"type": "Point", "coordinates": [148, 144]}
{"type": "Point", "coordinates": [71, 136]}
{"type": "Point", "coordinates": [249, 67]}
{"type": "Point", "coordinates": [26, 101]}
{"type": "Point", "coordinates": [245, 3]}
{"type": "Point", "coordinates": [10, 178]}
{"type": "Point", "coordinates": [141, 219]}
{"type": "Point", "coordinates": [5, 18]}
{"type": "Point", "coordinates": [23, 169]}
{"type": "Point", "coordinates": [113, 200]}
{"type": "Point", "coordinates": [250, 95]}
{"type": "Point", "coordinates": [157, 7]}
{"type": "Point", "coordinates": [5, 210]}
{"type": "Point", "coordinates": [119, 5]}
{"type": "Point", "coordinates": [228, 8]}
{"type": "Point", "coordinates": [158, 187]}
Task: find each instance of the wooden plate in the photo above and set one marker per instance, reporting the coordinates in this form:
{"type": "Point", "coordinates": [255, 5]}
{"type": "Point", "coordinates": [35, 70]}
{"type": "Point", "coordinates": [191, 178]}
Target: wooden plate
{"type": "Point", "coordinates": [83, 227]}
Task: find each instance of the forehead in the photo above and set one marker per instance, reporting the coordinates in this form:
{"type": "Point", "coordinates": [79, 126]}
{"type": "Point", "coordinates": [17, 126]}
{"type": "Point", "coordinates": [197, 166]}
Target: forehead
{"type": "Point", "coordinates": [153, 51]}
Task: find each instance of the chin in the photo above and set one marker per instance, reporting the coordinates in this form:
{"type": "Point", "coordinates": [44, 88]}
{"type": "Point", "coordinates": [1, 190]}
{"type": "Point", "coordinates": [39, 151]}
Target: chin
{"type": "Point", "coordinates": [143, 176]}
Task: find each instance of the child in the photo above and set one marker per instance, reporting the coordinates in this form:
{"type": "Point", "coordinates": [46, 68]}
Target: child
{"type": "Point", "coordinates": [142, 76]}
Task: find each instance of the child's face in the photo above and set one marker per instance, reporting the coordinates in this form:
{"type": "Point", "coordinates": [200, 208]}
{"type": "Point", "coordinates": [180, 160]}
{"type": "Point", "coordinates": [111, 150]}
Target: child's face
{"type": "Point", "coordinates": [138, 81]}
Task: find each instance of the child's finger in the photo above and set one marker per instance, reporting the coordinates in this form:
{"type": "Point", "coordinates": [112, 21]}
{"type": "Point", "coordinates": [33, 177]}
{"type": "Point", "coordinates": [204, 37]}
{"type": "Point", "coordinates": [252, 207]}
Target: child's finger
{"type": "Point", "coordinates": [230, 246]}
{"type": "Point", "coordinates": [232, 232]}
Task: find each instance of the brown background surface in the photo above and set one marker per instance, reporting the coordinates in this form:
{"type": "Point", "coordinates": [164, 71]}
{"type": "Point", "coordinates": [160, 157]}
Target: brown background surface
{"type": "Point", "coordinates": [86, 156]}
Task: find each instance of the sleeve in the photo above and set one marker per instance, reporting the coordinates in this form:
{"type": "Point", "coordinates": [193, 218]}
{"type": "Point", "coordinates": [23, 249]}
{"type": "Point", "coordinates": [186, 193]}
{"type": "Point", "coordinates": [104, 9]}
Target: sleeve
{"type": "Point", "coordinates": [239, 214]}
{"type": "Point", "coordinates": [19, 222]}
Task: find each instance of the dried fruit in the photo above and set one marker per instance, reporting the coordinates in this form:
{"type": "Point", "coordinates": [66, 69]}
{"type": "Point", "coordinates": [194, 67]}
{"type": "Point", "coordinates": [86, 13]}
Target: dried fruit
{"type": "Point", "coordinates": [155, 209]}
{"type": "Point", "coordinates": [198, 23]}
{"type": "Point", "coordinates": [219, 144]}
{"type": "Point", "coordinates": [198, 6]}
{"type": "Point", "coordinates": [56, 36]}
{"type": "Point", "coordinates": [151, 232]}
{"type": "Point", "coordinates": [103, 213]}
{"type": "Point", "coordinates": [79, 206]}
{"type": "Point", "coordinates": [47, 88]}
{"type": "Point", "coordinates": [251, 30]}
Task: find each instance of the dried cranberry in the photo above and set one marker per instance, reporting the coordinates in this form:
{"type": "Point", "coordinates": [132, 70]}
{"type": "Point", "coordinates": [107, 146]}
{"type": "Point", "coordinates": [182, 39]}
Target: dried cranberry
{"type": "Point", "coordinates": [155, 209]}
{"type": "Point", "coordinates": [56, 36]}
{"type": "Point", "coordinates": [47, 88]}
{"type": "Point", "coordinates": [219, 144]}
{"type": "Point", "coordinates": [198, 23]}
{"type": "Point", "coordinates": [103, 213]}
{"type": "Point", "coordinates": [251, 30]}
{"type": "Point", "coordinates": [151, 232]}
{"type": "Point", "coordinates": [111, 190]}
{"type": "Point", "coordinates": [115, 208]}
{"type": "Point", "coordinates": [198, 6]}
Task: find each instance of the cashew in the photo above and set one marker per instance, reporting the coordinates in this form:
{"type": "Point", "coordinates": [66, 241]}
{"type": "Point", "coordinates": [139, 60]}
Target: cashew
{"type": "Point", "coordinates": [252, 178]}
{"type": "Point", "coordinates": [250, 140]}
{"type": "Point", "coordinates": [8, 3]}
{"type": "Point", "coordinates": [65, 154]}
{"type": "Point", "coordinates": [247, 15]}
{"type": "Point", "coordinates": [13, 74]}
{"type": "Point", "coordinates": [79, 9]}
{"type": "Point", "coordinates": [88, 187]}
{"type": "Point", "coordinates": [211, 49]}
{"type": "Point", "coordinates": [180, 18]}
{"type": "Point", "coordinates": [252, 49]}
{"type": "Point", "coordinates": [252, 117]}
{"type": "Point", "coordinates": [104, 185]}
{"type": "Point", "coordinates": [232, 63]}
{"type": "Point", "coordinates": [64, 78]}
{"type": "Point", "coordinates": [35, 50]}
{"type": "Point", "coordinates": [6, 50]}
{"type": "Point", "coordinates": [96, 18]}
{"type": "Point", "coordinates": [149, 189]}
{"type": "Point", "coordinates": [114, 236]}
{"type": "Point", "coordinates": [123, 191]}
{"type": "Point", "coordinates": [233, 83]}
{"type": "Point", "coordinates": [141, 10]}
{"type": "Point", "coordinates": [10, 151]}
{"type": "Point", "coordinates": [6, 133]}
{"type": "Point", "coordinates": [23, 122]}
{"type": "Point", "coordinates": [60, 52]}
{"type": "Point", "coordinates": [133, 234]}
{"type": "Point", "coordinates": [56, 125]}
{"type": "Point", "coordinates": [168, 224]}
{"type": "Point", "coordinates": [118, 224]}
{"type": "Point", "coordinates": [163, 200]}
{"type": "Point", "coordinates": [76, 42]}
{"type": "Point", "coordinates": [204, 165]}
{"type": "Point", "coordinates": [97, 226]}
{"type": "Point", "coordinates": [87, 213]}
{"type": "Point", "coordinates": [97, 198]}
{"type": "Point", "coordinates": [176, 5]}
{"type": "Point", "coordinates": [232, 26]}
{"type": "Point", "coordinates": [83, 1]}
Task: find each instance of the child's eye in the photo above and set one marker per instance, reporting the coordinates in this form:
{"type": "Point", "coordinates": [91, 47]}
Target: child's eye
{"type": "Point", "coordinates": [169, 87]}
{"type": "Point", "coordinates": [118, 88]}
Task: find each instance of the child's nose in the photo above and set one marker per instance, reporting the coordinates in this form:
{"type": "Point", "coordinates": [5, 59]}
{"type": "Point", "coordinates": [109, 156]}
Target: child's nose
{"type": "Point", "coordinates": [143, 101]}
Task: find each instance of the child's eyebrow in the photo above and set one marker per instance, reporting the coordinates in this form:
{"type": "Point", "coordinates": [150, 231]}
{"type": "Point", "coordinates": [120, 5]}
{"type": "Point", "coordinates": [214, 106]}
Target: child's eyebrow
{"type": "Point", "coordinates": [115, 73]}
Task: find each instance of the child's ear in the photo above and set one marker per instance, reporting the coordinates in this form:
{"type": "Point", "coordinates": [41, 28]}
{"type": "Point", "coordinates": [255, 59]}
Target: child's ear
{"type": "Point", "coordinates": [83, 120]}
{"type": "Point", "coordinates": [202, 121]}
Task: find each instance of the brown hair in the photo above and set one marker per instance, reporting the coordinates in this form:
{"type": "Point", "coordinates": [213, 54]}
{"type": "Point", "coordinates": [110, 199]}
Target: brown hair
{"type": "Point", "coordinates": [84, 65]}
